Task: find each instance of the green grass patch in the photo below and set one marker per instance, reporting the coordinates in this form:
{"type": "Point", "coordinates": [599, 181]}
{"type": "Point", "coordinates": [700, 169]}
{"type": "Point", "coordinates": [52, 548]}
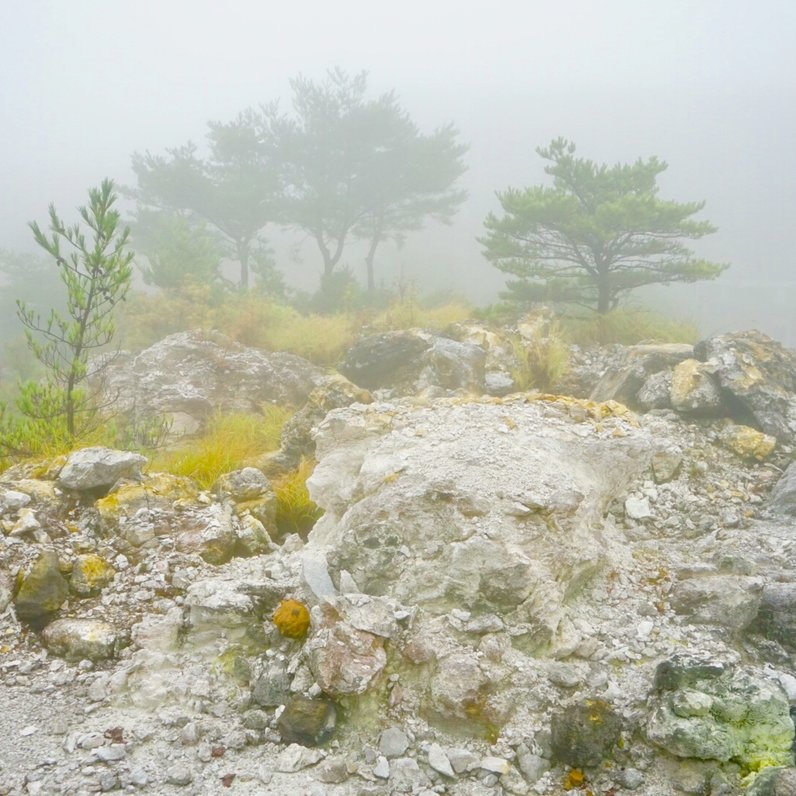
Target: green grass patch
{"type": "Point", "coordinates": [295, 510]}
{"type": "Point", "coordinates": [229, 441]}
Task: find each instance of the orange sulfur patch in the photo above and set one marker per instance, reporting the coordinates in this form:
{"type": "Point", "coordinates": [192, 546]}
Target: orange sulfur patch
{"type": "Point", "coordinates": [292, 619]}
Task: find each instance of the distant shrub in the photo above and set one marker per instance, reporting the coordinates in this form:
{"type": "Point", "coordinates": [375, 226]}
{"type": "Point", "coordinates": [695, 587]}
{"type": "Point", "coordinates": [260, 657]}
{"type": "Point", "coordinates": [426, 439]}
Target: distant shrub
{"type": "Point", "coordinates": [230, 440]}
{"type": "Point", "coordinates": [409, 312]}
{"type": "Point", "coordinates": [249, 318]}
{"type": "Point", "coordinates": [627, 327]}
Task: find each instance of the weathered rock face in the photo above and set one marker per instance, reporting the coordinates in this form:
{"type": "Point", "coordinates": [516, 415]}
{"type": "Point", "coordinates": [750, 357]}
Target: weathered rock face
{"type": "Point", "coordinates": [694, 390]}
{"type": "Point", "coordinates": [760, 376]}
{"type": "Point", "coordinates": [729, 601]}
{"type": "Point", "coordinates": [335, 392]}
{"type": "Point", "coordinates": [783, 498]}
{"type": "Point", "coordinates": [43, 590]}
{"type": "Point", "coordinates": [641, 362]}
{"type": "Point", "coordinates": [709, 710]}
{"type": "Point", "coordinates": [189, 375]}
{"type": "Point", "coordinates": [491, 594]}
{"type": "Point", "coordinates": [584, 734]}
{"type": "Point", "coordinates": [412, 514]}
{"type": "Point", "coordinates": [415, 360]}
{"type": "Point", "coordinates": [777, 616]}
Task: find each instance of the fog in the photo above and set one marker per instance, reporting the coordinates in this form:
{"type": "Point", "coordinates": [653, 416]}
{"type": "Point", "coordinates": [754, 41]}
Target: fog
{"type": "Point", "coordinates": [709, 87]}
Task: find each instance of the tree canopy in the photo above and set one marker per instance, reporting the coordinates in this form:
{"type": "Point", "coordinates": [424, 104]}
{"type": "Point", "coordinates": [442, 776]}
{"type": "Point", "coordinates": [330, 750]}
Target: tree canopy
{"type": "Point", "coordinates": [597, 233]}
{"type": "Point", "coordinates": [236, 188]}
{"type": "Point", "coordinates": [358, 167]}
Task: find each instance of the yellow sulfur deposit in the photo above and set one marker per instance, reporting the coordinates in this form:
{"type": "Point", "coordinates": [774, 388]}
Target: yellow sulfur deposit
{"type": "Point", "coordinates": [292, 619]}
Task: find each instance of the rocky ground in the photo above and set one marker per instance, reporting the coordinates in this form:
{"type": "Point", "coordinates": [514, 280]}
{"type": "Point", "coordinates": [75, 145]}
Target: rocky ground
{"type": "Point", "coordinates": [519, 593]}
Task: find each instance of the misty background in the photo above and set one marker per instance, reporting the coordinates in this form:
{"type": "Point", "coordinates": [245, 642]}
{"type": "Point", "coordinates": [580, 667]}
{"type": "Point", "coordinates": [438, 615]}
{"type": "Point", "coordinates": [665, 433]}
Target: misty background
{"type": "Point", "coordinates": [709, 86]}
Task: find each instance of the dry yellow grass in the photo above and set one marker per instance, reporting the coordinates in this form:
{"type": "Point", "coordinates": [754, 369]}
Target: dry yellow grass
{"type": "Point", "coordinates": [229, 441]}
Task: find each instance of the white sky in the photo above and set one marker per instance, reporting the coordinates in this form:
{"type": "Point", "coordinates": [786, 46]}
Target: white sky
{"type": "Point", "coordinates": [707, 85]}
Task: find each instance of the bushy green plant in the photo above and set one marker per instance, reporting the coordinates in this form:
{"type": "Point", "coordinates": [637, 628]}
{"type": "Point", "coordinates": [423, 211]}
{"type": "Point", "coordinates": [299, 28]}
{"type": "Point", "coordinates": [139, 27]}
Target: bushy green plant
{"type": "Point", "coordinates": [95, 268]}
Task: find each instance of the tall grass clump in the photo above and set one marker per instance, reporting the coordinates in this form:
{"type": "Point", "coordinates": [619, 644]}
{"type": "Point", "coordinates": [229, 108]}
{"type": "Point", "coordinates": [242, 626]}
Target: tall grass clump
{"type": "Point", "coordinates": [409, 312]}
{"type": "Point", "coordinates": [295, 510]}
{"type": "Point", "coordinates": [542, 362]}
{"type": "Point", "coordinates": [627, 327]}
{"type": "Point", "coordinates": [229, 441]}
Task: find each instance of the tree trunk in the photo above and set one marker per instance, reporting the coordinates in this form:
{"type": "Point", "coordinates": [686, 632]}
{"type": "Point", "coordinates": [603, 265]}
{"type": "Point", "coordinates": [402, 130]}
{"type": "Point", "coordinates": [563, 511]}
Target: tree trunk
{"type": "Point", "coordinates": [369, 265]}
{"type": "Point", "coordinates": [242, 247]}
{"type": "Point", "coordinates": [374, 242]}
{"type": "Point", "coordinates": [604, 295]}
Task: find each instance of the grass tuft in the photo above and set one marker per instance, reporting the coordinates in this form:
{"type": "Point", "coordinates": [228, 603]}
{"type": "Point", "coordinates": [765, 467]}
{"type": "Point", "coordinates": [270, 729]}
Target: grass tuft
{"type": "Point", "coordinates": [230, 440]}
{"type": "Point", "coordinates": [628, 327]}
{"type": "Point", "coordinates": [295, 510]}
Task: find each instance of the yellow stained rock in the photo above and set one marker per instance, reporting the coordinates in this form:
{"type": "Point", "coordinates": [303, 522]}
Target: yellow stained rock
{"type": "Point", "coordinates": [90, 574]}
{"type": "Point", "coordinates": [747, 442]}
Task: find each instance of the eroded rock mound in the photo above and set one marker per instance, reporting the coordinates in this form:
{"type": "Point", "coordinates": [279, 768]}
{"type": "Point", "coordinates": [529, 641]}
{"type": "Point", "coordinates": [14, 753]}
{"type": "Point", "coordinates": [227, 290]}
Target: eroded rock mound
{"type": "Point", "coordinates": [189, 375]}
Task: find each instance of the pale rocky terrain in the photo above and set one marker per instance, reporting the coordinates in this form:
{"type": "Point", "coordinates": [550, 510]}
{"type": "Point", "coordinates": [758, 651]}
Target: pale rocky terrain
{"type": "Point", "coordinates": [508, 592]}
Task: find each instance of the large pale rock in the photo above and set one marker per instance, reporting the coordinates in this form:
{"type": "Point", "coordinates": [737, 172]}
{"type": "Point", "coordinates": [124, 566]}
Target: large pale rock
{"type": "Point", "coordinates": [140, 512]}
{"type": "Point", "coordinates": [248, 483]}
{"type": "Point", "coordinates": [584, 734]}
{"type": "Point", "coordinates": [760, 376]}
{"type": "Point", "coordinates": [90, 574]}
{"type": "Point", "coordinates": [712, 711]}
{"type": "Point", "coordinates": [78, 639]}
{"type": "Point", "coordinates": [747, 442]}
{"type": "Point", "coordinates": [192, 374]}
{"type": "Point", "coordinates": [335, 392]}
{"type": "Point", "coordinates": [486, 506]}
{"type": "Point", "coordinates": [6, 589]}
{"type": "Point", "coordinates": [210, 533]}
{"type": "Point", "coordinates": [308, 722]}
{"type": "Point", "coordinates": [12, 501]}
{"type": "Point", "coordinates": [774, 781]}
{"type": "Point", "coordinates": [99, 468]}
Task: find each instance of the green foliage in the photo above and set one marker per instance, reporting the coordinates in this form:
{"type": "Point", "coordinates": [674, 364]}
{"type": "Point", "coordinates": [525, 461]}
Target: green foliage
{"type": "Point", "coordinates": [359, 167]}
{"type": "Point", "coordinates": [30, 278]}
{"type": "Point", "coordinates": [228, 443]}
{"type": "Point", "coordinates": [295, 510]}
{"type": "Point", "coordinates": [236, 189]}
{"type": "Point", "coordinates": [599, 232]}
{"type": "Point", "coordinates": [178, 252]}
{"type": "Point", "coordinates": [96, 274]}
{"type": "Point", "coordinates": [628, 327]}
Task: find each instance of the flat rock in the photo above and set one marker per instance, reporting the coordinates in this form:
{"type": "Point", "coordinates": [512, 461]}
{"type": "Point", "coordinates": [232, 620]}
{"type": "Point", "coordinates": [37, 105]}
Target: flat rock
{"type": "Point", "coordinates": [78, 639]}
{"type": "Point", "coordinates": [99, 468]}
